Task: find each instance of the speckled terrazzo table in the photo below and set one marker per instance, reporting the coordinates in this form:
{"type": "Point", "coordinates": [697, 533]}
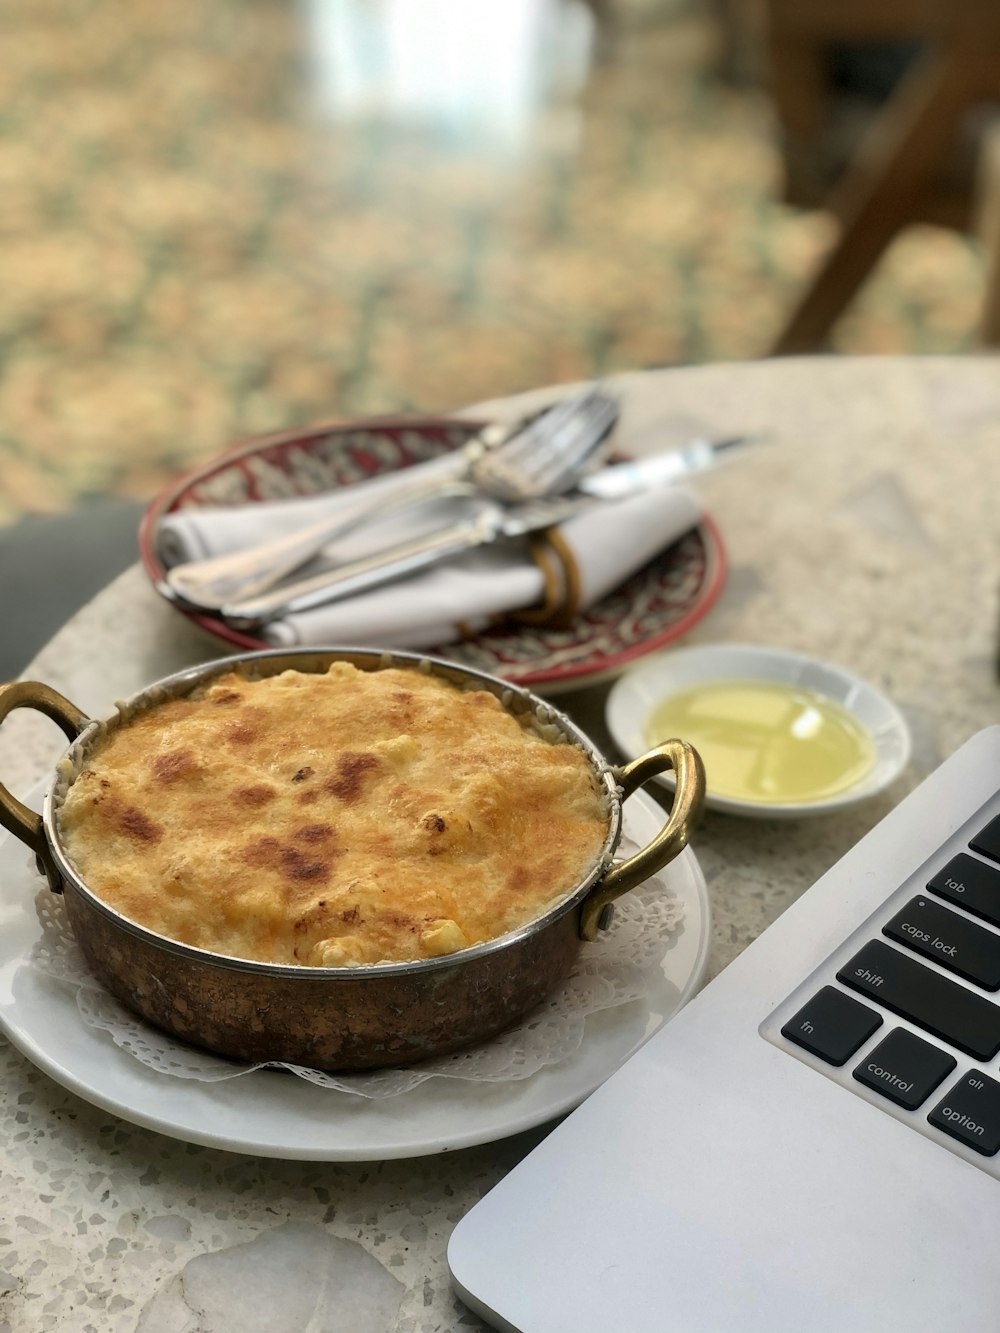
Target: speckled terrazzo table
{"type": "Point", "coordinates": [865, 532]}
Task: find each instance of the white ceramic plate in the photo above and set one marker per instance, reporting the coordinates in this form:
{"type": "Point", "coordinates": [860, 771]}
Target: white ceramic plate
{"type": "Point", "coordinates": [270, 1114]}
{"type": "Point", "coordinates": [635, 694]}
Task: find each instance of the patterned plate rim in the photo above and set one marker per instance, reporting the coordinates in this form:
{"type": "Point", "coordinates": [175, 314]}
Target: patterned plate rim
{"type": "Point", "coordinates": [564, 674]}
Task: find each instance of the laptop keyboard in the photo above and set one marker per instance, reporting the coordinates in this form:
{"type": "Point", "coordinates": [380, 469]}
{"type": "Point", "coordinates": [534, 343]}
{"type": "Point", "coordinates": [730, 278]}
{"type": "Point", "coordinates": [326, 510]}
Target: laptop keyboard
{"type": "Point", "coordinates": [906, 1012]}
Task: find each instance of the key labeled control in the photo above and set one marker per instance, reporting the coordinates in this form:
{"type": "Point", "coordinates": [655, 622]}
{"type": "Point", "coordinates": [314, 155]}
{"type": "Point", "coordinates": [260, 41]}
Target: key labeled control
{"type": "Point", "coordinates": [939, 1006]}
{"type": "Point", "coordinates": [970, 1112]}
{"type": "Point", "coordinates": [957, 944]}
{"type": "Point", "coordinates": [905, 1068]}
{"type": "Point", "coordinates": [832, 1026]}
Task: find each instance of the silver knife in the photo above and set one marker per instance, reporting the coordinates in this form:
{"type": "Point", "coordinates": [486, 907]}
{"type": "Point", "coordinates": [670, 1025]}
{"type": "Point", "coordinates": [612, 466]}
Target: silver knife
{"type": "Point", "coordinates": [618, 480]}
{"type": "Point", "coordinates": [490, 522]}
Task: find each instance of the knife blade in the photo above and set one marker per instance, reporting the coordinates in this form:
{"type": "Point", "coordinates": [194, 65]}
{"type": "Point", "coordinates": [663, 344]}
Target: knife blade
{"type": "Point", "coordinates": [490, 522]}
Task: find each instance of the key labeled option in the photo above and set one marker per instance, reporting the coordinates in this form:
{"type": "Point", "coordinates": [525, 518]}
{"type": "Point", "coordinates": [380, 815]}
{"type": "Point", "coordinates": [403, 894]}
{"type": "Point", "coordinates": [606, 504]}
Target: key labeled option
{"type": "Point", "coordinates": [971, 884]}
{"type": "Point", "coordinates": [832, 1026]}
{"type": "Point", "coordinates": [939, 1006]}
{"type": "Point", "coordinates": [905, 1068]}
{"type": "Point", "coordinates": [970, 1112]}
{"type": "Point", "coordinates": [957, 944]}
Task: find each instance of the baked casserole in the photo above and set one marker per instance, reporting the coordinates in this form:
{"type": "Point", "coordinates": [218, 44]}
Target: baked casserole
{"type": "Point", "coordinates": [333, 819]}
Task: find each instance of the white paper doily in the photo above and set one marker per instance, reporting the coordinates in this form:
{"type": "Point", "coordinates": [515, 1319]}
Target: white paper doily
{"type": "Point", "coordinates": [615, 970]}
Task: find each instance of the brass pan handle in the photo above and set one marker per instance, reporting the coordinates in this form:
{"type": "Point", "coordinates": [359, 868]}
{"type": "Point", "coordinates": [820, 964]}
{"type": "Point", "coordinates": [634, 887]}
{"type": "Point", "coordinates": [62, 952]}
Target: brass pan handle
{"type": "Point", "coordinates": [689, 797]}
{"type": "Point", "coordinates": [14, 814]}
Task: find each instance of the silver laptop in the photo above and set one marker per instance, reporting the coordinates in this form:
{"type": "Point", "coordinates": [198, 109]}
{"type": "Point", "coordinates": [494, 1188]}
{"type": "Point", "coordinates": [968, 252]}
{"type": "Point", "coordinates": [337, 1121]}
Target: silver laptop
{"type": "Point", "coordinates": [813, 1144]}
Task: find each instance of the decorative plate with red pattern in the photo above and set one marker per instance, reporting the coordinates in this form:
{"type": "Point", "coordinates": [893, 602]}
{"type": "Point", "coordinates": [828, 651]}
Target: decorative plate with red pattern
{"type": "Point", "coordinates": [653, 607]}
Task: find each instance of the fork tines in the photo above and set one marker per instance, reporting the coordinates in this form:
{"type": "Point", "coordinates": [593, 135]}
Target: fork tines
{"type": "Point", "coordinates": [552, 447]}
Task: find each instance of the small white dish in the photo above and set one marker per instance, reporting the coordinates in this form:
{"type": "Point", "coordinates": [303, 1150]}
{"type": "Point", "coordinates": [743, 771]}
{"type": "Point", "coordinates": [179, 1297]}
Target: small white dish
{"type": "Point", "coordinates": [636, 693]}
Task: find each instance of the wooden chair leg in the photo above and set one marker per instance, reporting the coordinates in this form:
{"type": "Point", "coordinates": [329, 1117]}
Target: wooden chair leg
{"type": "Point", "coordinates": [876, 196]}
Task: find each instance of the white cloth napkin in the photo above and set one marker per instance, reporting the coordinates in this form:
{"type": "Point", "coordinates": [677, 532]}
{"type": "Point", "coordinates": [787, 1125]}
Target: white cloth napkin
{"type": "Point", "coordinates": [466, 594]}
{"type": "Point", "coordinates": [198, 532]}
{"type": "Point", "coordinates": [463, 595]}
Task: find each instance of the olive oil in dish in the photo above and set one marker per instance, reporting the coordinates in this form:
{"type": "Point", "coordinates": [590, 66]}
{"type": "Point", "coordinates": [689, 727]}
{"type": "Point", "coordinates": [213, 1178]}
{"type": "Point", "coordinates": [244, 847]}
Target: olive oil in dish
{"type": "Point", "coordinates": [766, 741]}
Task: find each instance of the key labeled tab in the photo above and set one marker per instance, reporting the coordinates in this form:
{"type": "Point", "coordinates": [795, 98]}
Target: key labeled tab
{"type": "Point", "coordinates": [970, 1112]}
{"type": "Point", "coordinates": [905, 1068]}
{"type": "Point", "coordinates": [939, 1006]}
{"type": "Point", "coordinates": [832, 1026]}
{"type": "Point", "coordinates": [971, 884]}
{"type": "Point", "coordinates": [957, 944]}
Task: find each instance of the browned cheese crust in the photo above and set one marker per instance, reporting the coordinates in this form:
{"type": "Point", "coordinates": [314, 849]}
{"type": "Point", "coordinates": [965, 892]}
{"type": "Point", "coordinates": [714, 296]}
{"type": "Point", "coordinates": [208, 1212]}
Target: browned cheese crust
{"type": "Point", "coordinates": [330, 820]}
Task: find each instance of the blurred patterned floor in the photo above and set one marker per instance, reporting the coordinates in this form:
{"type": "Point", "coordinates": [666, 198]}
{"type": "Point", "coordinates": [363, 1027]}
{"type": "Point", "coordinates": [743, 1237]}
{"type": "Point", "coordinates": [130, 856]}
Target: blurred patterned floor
{"type": "Point", "coordinates": [217, 220]}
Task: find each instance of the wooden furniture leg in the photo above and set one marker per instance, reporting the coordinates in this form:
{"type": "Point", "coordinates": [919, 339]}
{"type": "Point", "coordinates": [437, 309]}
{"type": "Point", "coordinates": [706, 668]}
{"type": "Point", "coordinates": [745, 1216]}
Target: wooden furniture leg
{"type": "Point", "coordinates": [800, 101]}
{"type": "Point", "coordinates": [875, 198]}
{"type": "Point", "coordinates": [989, 231]}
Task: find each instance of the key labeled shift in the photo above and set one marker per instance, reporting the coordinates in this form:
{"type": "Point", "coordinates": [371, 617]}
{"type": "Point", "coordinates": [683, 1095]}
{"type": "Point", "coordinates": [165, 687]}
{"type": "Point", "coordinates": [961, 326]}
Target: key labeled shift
{"type": "Point", "coordinates": [942, 1007]}
{"type": "Point", "coordinates": [957, 944]}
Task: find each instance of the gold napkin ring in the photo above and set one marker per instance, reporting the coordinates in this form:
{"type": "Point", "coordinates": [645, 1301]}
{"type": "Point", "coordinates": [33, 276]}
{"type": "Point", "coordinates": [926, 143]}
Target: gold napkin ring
{"type": "Point", "coordinates": [561, 601]}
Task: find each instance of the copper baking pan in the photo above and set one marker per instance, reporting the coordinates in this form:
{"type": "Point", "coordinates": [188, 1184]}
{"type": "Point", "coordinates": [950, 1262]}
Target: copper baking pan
{"type": "Point", "coordinates": [346, 1017]}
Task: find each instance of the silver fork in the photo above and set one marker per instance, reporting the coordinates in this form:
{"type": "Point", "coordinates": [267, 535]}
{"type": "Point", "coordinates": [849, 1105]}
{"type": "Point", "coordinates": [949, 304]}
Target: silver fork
{"type": "Point", "coordinates": [491, 521]}
{"type": "Point", "coordinates": [540, 456]}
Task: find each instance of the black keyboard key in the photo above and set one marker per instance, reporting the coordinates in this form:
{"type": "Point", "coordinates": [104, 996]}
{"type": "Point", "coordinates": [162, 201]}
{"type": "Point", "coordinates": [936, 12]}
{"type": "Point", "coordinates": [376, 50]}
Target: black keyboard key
{"type": "Point", "coordinates": [832, 1026]}
{"type": "Point", "coordinates": [905, 1068]}
{"type": "Point", "coordinates": [971, 1113]}
{"type": "Point", "coordinates": [987, 840]}
{"type": "Point", "coordinates": [951, 940]}
{"type": "Point", "coordinates": [971, 885]}
{"type": "Point", "coordinates": [942, 1007]}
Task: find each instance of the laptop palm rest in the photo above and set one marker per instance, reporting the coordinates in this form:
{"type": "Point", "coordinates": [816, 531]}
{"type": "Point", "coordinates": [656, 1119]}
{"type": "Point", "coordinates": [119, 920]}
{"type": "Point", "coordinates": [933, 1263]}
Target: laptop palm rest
{"type": "Point", "coordinates": [717, 1185]}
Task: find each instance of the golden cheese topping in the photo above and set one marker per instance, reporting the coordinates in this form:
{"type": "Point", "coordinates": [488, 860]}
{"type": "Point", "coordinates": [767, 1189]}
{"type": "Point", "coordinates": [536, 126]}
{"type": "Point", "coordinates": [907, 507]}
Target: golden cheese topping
{"type": "Point", "coordinates": [329, 820]}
